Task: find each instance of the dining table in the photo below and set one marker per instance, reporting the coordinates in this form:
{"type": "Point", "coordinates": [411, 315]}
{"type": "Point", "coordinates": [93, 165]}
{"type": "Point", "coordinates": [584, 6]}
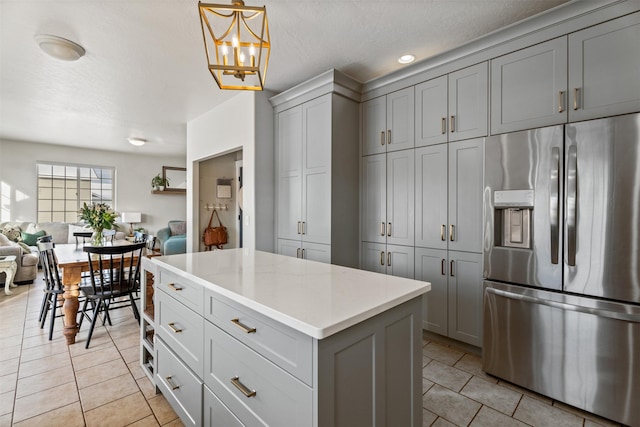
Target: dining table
{"type": "Point", "coordinates": [72, 262]}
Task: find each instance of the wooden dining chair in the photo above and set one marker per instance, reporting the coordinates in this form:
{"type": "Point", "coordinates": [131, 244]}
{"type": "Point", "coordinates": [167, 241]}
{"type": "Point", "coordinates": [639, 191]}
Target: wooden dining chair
{"type": "Point", "coordinates": [114, 280]}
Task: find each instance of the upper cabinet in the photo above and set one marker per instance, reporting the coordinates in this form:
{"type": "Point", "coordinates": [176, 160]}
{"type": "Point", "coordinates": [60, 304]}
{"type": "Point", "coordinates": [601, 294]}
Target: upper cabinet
{"type": "Point", "coordinates": [604, 69]}
{"type": "Point", "coordinates": [452, 107]}
{"type": "Point", "coordinates": [387, 123]}
{"type": "Point", "coordinates": [529, 87]}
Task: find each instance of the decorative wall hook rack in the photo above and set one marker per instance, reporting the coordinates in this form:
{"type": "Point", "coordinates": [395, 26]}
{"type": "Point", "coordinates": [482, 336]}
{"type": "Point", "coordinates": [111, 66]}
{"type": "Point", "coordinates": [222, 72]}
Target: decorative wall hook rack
{"type": "Point", "coordinates": [218, 206]}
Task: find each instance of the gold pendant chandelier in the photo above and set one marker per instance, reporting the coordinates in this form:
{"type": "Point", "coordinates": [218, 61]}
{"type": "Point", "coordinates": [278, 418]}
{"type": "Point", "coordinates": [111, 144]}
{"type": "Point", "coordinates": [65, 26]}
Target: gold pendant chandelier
{"type": "Point", "coordinates": [236, 41]}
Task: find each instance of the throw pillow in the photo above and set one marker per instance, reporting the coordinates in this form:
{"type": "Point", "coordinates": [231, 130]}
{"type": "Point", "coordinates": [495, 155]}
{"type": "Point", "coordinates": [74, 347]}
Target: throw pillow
{"type": "Point", "coordinates": [178, 228]}
{"type": "Point", "coordinates": [12, 232]}
{"type": "Point", "coordinates": [31, 239]}
{"type": "Point", "coordinates": [4, 240]}
{"type": "Point", "coordinates": [24, 247]}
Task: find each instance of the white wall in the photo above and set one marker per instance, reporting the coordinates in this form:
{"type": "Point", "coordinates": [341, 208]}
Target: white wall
{"type": "Point", "coordinates": [222, 167]}
{"type": "Point", "coordinates": [18, 185]}
{"type": "Point", "coordinates": [245, 122]}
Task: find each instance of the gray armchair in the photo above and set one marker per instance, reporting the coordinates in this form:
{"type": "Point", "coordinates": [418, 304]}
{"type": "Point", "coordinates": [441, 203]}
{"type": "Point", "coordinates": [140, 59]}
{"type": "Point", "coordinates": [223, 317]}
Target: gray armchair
{"type": "Point", "coordinates": [173, 239]}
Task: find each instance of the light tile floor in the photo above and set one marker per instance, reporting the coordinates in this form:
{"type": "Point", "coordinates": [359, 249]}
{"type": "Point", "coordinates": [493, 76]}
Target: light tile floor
{"type": "Point", "coordinates": [104, 385]}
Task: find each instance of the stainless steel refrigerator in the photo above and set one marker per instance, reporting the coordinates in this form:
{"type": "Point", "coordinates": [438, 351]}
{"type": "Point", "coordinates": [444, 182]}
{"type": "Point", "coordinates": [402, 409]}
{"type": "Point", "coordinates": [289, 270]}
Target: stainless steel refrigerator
{"type": "Point", "coordinates": [562, 263]}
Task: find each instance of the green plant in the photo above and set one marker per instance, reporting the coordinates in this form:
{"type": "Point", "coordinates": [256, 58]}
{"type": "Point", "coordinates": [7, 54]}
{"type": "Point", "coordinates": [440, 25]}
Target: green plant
{"type": "Point", "coordinates": [159, 181]}
{"type": "Point", "coordinates": [99, 216]}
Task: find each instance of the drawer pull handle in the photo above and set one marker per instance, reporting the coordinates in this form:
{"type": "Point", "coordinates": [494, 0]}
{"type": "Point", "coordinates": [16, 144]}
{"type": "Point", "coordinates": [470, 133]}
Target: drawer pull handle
{"type": "Point", "coordinates": [174, 287]}
{"type": "Point", "coordinates": [174, 329]}
{"type": "Point", "coordinates": [242, 326]}
{"type": "Point", "coordinates": [248, 393]}
{"type": "Point", "coordinates": [171, 384]}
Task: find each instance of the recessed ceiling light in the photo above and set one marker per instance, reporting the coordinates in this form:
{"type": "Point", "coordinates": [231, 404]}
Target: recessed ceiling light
{"type": "Point", "coordinates": [137, 141]}
{"type": "Point", "coordinates": [60, 48]}
{"type": "Point", "coordinates": [407, 59]}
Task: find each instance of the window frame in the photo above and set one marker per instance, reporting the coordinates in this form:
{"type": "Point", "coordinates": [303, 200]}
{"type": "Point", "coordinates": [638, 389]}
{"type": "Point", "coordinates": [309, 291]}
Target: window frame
{"type": "Point", "coordinates": [65, 208]}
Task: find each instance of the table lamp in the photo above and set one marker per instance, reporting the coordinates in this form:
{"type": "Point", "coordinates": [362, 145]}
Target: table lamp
{"type": "Point", "coordinates": [131, 218]}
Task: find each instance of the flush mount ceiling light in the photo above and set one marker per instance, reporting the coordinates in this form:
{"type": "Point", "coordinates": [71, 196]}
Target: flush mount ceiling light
{"type": "Point", "coordinates": [60, 48]}
{"type": "Point", "coordinates": [137, 141]}
{"type": "Point", "coordinates": [407, 59]}
{"type": "Point", "coordinates": [237, 44]}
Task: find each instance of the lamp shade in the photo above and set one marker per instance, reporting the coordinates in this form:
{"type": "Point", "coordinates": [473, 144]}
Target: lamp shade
{"type": "Point", "coordinates": [131, 217]}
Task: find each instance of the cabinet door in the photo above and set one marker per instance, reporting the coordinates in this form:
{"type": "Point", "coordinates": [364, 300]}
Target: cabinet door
{"type": "Point", "coordinates": [400, 120]}
{"type": "Point", "coordinates": [604, 68]}
{"type": "Point", "coordinates": [289, 172]}
{"type": "Point", "coordinates": [374, 257]}
{"type": "Point", "coordinates": [431, 112]}
{"type": "Point", "coordinates": [316, 170]}
{"type": "Point", "coordinates": [374, 126]}
{"type": "Point", "coordinates": [529, 87]}
{"type": "Point", "coordinates": [465, 195]}
{"type": "Point", "coordinates": [431, 266]}
{"type": "Point", "coordinates": [289, 247]}
{"type": "Point", "coordinates": [431, 196]}
{"type": "Point", "coordinates": [400, 197]}
{"type": "Point", "coordinates": [374, 193]}
{"type": "Point", "coordinates": [468, 102]}
{"type": "Point", "coordinates": [400, 261]}
{"type": "Point", "coordinates": [316, 252]}
{"type": "Point", "coordinates": [465, 297]}
{"type": "Point", "coordinates": [215, 413]}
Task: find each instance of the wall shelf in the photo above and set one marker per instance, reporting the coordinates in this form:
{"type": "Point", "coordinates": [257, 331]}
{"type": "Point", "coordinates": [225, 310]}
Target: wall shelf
{"type": "Point", "coordinates": [183, 192]}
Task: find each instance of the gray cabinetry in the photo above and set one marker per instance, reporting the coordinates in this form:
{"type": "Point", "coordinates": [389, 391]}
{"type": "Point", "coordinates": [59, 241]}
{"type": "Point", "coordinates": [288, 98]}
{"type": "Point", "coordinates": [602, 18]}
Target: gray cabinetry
{"type": "Point", "coordinates": [465, 195]}
{"type": "Point", "coordinates": [604, 69]}
{"type": "Point", "coordinates": [452, 107]}
{"type": "Point", "coordinates": [388, 215]}
{"type": "Point", "coordinates": [388, 198]}
{"type": "Point", "coordinates": [431, 186]}
{"type": "Point", "coordinates": [449, 196]}
{"type": "Point", "coordinates": [305, 250]}
{"type": "Point", "coordinates": [449, 210]}
{"type": "Point", "coordinates": [468, 102]}
{"type": "Point", "coordinates": [317, 141]}
{"type": "Point", "coordinates": [395, 260]}
{"type": "Point", "coordinates": [387, 122]}
{"type": "Point", "coordinates": [431, 112]}
{"type": "Point", "coordinates": [454, 306]}
{"type": "Point", "coordinates": [529, 87]}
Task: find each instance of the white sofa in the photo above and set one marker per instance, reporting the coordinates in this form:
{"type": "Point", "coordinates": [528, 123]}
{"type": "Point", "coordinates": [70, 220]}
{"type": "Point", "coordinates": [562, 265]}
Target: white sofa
{"type": "Point", "coordinates": [61, 232]}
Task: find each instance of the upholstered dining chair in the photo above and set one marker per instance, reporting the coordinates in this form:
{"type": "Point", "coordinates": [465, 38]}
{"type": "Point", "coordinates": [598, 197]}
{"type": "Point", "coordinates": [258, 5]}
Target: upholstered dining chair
{"type": "Point", "coordinates": [52, 284]}
{"type": "Point", "coordinates": [114, 280]}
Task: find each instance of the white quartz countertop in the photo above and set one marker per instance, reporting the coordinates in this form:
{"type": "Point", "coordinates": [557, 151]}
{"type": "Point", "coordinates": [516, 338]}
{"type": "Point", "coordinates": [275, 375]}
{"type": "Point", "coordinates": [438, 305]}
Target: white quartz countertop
{"type": "Point", "coordinates": [314, 298]}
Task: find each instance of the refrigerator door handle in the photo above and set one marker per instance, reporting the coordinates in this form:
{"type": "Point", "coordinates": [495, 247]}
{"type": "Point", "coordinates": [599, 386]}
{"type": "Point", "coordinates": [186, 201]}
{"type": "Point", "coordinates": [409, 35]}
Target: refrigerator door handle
{"type": "Point", "coordinates": [572, 195]}
{"type": "Point", "coordinates": [554, 194]}
{"type": "Point", "coordinates": [618, 315]}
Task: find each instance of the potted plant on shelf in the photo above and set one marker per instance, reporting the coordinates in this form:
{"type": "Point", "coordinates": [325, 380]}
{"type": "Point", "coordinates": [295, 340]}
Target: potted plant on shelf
{"type": "Point", "coordinates": [159, 182]}
{"type": "Point", "coordinates": [99, 217]}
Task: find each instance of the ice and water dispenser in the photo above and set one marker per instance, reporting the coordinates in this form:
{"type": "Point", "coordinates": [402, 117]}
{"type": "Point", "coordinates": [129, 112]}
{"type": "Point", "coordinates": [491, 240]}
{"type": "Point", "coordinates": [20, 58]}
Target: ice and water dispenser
{"type": "Point", "coordinates": [513, 217]}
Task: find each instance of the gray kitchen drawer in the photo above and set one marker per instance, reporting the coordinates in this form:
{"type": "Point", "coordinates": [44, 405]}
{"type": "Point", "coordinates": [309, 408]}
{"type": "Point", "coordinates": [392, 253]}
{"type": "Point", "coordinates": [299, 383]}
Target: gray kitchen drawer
{"type": "Point", "coordinates": [187, 292]}
{"type": "Point", "coordinates": [181, 329]}
{"type": "Point", "coordinates": [215, 413]}
{"type": "Point", "coordinates": [181, 388]}
{"type": "Point", "coordinates": [289, 349]}
{"type": "Point", "coordinates": [280, 399]}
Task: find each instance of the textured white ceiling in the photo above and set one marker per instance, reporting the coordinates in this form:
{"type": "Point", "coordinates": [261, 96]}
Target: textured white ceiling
{"type": "Point", "coordinates": [145, 75]}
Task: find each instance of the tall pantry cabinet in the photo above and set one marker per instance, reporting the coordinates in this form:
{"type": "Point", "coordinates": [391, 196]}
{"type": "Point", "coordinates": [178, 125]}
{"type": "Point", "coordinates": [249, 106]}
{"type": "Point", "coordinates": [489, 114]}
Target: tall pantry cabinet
{"type": "Point", "coordinates": [451, 117]}
{"type": "Point", "coordinates": [317, 172]}
{"type": "Point", "coordinates": [387, 165]}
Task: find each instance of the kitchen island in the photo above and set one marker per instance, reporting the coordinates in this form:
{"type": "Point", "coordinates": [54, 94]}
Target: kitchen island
{"type": "Point", "coordinates": [244, 337]}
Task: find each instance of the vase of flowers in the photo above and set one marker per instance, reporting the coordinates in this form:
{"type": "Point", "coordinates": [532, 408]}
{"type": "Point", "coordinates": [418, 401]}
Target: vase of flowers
{"type": "Point", "coordinates": [99, 217]}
